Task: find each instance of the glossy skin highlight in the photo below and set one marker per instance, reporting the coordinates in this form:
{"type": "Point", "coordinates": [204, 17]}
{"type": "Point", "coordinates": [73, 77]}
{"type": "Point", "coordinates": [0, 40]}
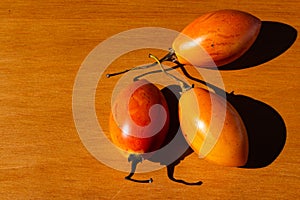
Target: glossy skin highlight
{"type": "Point", "coordinates": [231, 145]}
{"type": "Point", "coordinates": [222, 35]}
{"type": "Point", "coordinates": [134, 134]}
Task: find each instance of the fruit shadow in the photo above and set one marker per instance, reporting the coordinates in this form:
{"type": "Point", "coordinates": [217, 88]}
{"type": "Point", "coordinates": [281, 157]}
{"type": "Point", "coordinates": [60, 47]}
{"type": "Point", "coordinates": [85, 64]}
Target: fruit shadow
{"type": "Point", "coordinates": [273, 40]}
{"type": "Point", "coordinates": [265, 127]}
{"type": "Point", "coordinates": [175, 147]}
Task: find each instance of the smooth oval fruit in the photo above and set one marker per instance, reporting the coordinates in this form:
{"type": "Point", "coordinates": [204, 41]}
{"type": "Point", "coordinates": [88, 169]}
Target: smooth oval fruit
{"type": "Point", "coordinates": [221, 36]}
{"type": "Point", "coordinates": [139, 120]}
{"type": "Point", "coordinates": [229, 145]}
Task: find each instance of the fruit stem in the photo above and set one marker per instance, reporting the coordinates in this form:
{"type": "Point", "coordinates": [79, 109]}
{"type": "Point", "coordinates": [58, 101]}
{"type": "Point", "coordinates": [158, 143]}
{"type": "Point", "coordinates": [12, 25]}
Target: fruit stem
{"type": "Point", "coordinates": [184, 86]}
{"type": "Point", "coordinates": [169, 57]}
{"type": "Point", "coordinates": [135, 159]}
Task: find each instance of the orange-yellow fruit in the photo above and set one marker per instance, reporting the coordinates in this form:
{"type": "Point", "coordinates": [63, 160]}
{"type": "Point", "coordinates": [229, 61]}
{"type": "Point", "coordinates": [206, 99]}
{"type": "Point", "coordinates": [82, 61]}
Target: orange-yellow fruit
{"type": "Point", "coordinates": [213, 128]}
{"type": "Point", "coordinates": [221, 36]}
{"type": "Point", "coordinates": [139, 119]}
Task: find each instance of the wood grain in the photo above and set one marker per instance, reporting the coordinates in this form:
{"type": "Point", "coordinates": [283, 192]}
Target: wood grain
{"type": "Point", "coordinates": [43, 44]}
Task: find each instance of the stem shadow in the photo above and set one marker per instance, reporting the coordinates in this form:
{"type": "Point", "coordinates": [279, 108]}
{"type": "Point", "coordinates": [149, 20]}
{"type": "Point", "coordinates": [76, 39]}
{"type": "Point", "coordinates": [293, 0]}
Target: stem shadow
{"type": "Point", "coordinates": [273, 40]}
{"type": "Point", "coordinates": [175, 147]}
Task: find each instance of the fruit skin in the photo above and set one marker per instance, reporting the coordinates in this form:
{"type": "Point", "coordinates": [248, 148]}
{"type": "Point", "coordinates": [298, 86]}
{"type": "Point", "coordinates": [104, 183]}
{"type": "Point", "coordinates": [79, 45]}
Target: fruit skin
{"type": "Point", "coordinates": [195, 115]}
{"type": "Point", "coordinates": [138, 135]}
{"type": "Point", "coordinates": [221, 36]}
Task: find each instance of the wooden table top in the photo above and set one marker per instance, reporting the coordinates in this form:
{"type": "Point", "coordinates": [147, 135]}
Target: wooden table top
{"type": "Point", "coordinates": [43, 46]}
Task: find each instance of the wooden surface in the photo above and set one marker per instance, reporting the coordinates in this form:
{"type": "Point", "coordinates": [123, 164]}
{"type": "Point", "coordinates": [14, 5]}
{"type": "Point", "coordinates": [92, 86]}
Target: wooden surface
{"type": "Point", "coordinates": [43, 44]}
